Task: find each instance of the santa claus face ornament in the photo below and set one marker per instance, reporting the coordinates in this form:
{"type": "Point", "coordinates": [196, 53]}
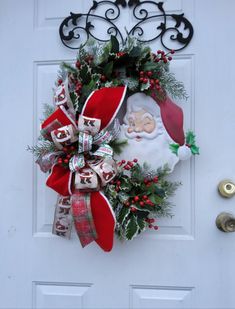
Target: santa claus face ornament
{"type": "Point", "coordinates": [147, 137]}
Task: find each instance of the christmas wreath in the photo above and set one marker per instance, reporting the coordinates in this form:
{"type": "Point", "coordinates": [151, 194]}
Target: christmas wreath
{"type": "Point", "coordinates": [102, 188]}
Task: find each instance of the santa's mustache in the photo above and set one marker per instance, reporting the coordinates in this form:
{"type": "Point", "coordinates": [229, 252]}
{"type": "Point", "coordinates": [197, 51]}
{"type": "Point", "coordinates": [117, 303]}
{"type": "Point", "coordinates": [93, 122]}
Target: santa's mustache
{"type": "Point", "coordinates": [146, 135]}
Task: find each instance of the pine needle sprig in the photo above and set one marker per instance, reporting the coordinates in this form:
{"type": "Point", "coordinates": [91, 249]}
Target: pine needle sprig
{"type": "Point", "coordinates": [118, 145]}
{"type": "Point", "coordinates": [68, 67]}
{"type": "Point", "coordinates": [48, 110]}
{"type": "Point", "coordinates": [173, 87]}
{"type": "Point", "coordinates": [42, 148]}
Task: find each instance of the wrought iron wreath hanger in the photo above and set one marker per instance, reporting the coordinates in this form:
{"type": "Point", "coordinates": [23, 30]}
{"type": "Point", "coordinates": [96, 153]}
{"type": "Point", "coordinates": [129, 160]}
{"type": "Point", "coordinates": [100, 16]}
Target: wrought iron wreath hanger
{"type": "Point", "coordinates": [72, 26]}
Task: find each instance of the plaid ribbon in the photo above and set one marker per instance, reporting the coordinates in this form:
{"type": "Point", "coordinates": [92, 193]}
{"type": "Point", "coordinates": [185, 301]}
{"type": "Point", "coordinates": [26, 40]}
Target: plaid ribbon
{"type": "Point", "coordinates": [83, 220]}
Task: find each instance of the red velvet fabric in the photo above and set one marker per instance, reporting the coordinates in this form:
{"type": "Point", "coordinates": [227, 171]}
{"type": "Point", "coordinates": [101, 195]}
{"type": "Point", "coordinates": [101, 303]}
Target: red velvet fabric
{"type": "Point", "coordinates": [60, 180]}
{"type": "Point", "coordinates": [59, 115]}
{"type": "Point", "coordinates": [104, 221]}
{"type": "Point", "coordinates": [104, 104]}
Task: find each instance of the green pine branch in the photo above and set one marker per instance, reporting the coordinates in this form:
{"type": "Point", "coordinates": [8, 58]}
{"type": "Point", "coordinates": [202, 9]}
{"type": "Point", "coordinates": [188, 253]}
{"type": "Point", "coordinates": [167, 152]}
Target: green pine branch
{"type": "Point", "coordinates": [118, 145]}
{"type": "Point", "coordinates": [48, 110]}
{"type": "Point", "coordinates": [42, 148]}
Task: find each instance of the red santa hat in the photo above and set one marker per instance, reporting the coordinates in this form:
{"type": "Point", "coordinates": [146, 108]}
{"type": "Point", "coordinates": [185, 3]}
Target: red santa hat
{"type": "Point", "coordinates": [173, 120]}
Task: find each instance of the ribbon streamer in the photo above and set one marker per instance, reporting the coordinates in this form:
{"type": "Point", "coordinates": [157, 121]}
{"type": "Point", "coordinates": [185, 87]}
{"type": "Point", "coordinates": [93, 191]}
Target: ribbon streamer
{"type": "Point", "coordinates": [83, 219]}
{"type": "Point", "coordinates": [62, 224]}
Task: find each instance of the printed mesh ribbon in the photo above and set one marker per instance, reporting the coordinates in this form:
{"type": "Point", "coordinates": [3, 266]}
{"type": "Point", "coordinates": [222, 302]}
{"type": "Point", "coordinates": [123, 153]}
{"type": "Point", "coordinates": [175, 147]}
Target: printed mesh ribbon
{"type": "Point", "coordinates": [83, 219]}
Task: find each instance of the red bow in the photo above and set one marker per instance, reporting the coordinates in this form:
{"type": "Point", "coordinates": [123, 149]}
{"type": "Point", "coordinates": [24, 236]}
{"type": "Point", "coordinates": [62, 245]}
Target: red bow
{"type": "Point", "coordinates": [102, 104]}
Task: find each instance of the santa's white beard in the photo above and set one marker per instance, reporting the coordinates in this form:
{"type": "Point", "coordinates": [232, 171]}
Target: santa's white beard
{"type": "Point", "coordinates": [155, 152]}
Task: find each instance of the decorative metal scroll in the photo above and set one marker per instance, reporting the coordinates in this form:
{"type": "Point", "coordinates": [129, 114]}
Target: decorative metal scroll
{"type": "Point", "coordinates": [174, 31]}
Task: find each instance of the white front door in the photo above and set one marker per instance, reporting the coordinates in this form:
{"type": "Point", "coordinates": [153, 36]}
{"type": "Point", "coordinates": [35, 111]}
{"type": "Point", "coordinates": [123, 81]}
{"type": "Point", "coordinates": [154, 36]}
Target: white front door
{"type": "Point", "coordinates": [188, 263]}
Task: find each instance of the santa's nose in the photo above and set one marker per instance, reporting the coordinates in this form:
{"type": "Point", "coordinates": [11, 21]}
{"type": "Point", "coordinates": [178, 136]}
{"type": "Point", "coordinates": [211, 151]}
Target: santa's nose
{"type": "Point", "coordinates": [138, 129]}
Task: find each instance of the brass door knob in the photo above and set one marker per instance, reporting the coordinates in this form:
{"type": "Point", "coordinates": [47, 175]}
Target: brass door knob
{"type": "Point", "coordinates": [225, 222]}
{"type": "Point", "coordinates": [226, 188]}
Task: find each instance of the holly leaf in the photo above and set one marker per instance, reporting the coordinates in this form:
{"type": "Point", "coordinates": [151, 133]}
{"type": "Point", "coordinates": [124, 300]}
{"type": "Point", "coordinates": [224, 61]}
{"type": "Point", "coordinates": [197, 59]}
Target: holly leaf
{"type": "Point", "coordinates": [174, 148]}
{"type": "Point", "coordinates": [191, 142]}
{"type": "Point", "coordinates": [146, 208]}
{"type": "Point", "coordinates": [75, 100]}
{"type": "Point", "coordinates": [135, 52]}
{"type": "Point", "coordinates": [118, 145]}
{"type": "Point", "coordinates": [160, 192]}
{"type": "Point", "coordinates": [131, 228]}
{"type": "Point", "coordinates": [190, 138]}
{"type": "Point", "coordinates": [141, 223]}
{"type": "Point", "coordinates": [136, 173]}
{"type": "Point", "coordinates": [106, 51]}
{"type": "Point", "coordinates": [149, 66]}
{"type": "Point", "coordinates": [68, 67]}
{"type": "Point", "coordinates": [108, 69]}
{"type": "Point", "coordinates": [84, 74]}
{"type": "Point", "coordinates": [125, 187]}
{"type": "Point", "coordinates": [195, 150]}
{"type": "Point", "coordinates": [123, 197]}
{"type": "Point", "coordinates": [114, 44]}
{"type": "Point", "coordinates": [124, 212]}
{"type": "Point", "coordinates": [145, 53]}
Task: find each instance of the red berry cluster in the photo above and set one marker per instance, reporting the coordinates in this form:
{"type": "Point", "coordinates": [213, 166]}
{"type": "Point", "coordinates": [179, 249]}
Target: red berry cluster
{"type": "Point", "coordinates": [138, 200]}
{"type": "Point", "coordinates": [103, 78]}
{"type": "Point", "coordinates": [77, 83]}
{"type": "Point", "coordinates": [145, 77]}
{"type": "Point", "coordinates": [59, 82]}
{"type": "Point", "coordinates": [88, 59]}
{"type": "Point", "coordinates": [148, 182]}
{"type": "Point", "coordinates": [78, 65]}
{"type": "Point", "coordinates": [162, 56]}
{"type": "Point", "coordinates": [68, 153]}
{"type": "Point", "coordinates": [127, 165]}
{"type": "Point", "coordinates": [78, 87]}
{"type": "Point", "coordinates": [150, 222]}
{"type": "Point", "coordinates": [120, 54]}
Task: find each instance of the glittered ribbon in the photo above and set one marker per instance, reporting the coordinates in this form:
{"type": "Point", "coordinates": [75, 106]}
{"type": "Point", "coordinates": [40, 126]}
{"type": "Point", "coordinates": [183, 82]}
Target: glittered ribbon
{"type": "Point", "coordinates": [47, 160]}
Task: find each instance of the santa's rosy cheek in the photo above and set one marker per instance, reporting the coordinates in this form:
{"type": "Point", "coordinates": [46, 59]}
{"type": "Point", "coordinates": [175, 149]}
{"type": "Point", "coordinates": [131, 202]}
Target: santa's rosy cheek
{"type": "Point", "coordinates": [149, 128]}
{"type": "Point", "coordinates": [129, 130]}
